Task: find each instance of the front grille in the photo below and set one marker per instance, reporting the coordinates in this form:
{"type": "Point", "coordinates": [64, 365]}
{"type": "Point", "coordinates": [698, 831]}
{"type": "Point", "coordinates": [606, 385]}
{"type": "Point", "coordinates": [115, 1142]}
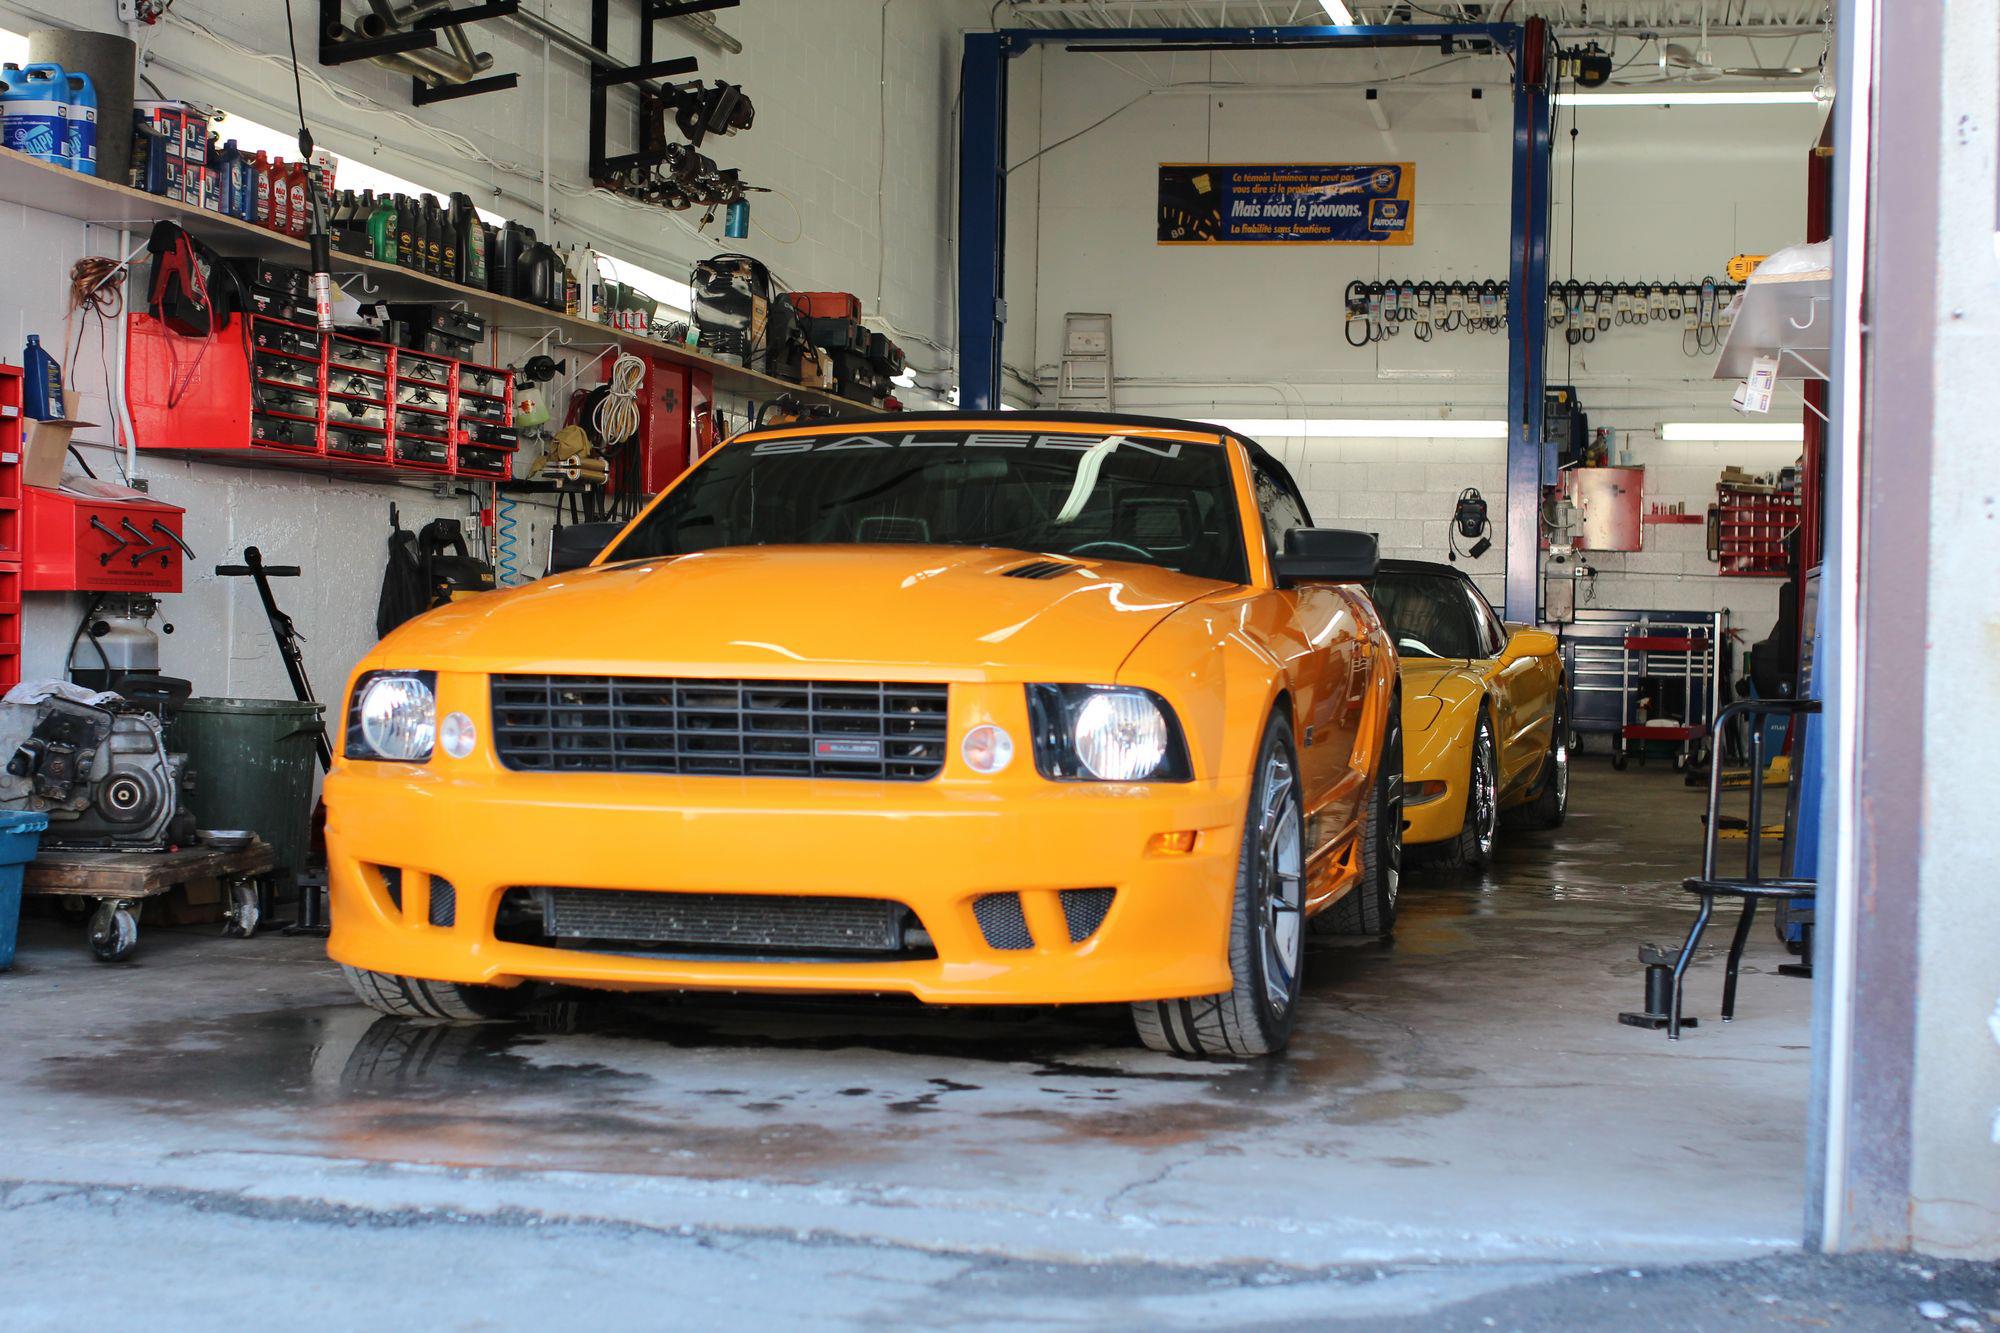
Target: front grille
{"type": "Point", "coordinates": [766, 923]}
{"type": "Point", "coordinates": [1001, 922]}
{"type": "Point", "coordinates": [1084, 911]}
{"type": "Point", "coordinates": [747, 728]}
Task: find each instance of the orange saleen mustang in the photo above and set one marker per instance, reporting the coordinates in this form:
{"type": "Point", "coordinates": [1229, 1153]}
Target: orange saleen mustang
{"type": "Point", "coordinates": [1042, 708]}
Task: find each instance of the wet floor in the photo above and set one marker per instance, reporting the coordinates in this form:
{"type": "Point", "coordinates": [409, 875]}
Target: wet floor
{"type": "Point", "coordinates": [1463, 1093]}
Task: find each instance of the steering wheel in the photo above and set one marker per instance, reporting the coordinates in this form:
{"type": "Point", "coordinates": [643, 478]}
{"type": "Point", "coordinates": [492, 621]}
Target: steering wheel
{"type": "Point", "coordinates": [1144, 555]}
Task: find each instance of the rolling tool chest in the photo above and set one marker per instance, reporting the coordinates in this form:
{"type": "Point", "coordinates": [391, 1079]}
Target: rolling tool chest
{"type": "Point", "coordinates": [286, 394]}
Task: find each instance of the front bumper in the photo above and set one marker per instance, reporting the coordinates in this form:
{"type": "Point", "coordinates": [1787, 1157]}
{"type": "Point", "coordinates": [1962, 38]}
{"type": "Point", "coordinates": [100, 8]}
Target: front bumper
{"type": "Point", "coordinates": [933, 846]}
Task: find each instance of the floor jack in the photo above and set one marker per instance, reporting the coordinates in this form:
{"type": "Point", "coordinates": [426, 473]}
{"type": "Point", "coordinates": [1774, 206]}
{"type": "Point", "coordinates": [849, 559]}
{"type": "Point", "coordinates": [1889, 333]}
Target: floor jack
{"type": "Point", "coordinates": [312, 919]}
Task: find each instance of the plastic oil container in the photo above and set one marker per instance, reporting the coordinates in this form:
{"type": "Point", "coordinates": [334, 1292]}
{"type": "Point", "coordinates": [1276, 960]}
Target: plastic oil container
{"type": "Point", "coordinates": [82, 123]}
{"type": "Point", "coordinates": [42, 386]}
{"type": "Point", "coordinates": [36, 102]}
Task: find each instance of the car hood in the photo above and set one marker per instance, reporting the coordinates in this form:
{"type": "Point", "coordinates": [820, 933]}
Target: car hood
{"type": "Point", "coordinates": [791, 611]}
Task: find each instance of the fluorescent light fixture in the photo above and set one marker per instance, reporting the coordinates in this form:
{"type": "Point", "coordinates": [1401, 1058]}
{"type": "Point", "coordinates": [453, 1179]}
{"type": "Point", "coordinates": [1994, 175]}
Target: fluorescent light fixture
{"type": "Point", "coordinates": [1780, 431]}
{"type": "Point", "coordinates": [1364, 428]}
{"type": "Point", "coordinates": [1337, 12]}
{"type": "Point", "coordinates": [1692, 97]}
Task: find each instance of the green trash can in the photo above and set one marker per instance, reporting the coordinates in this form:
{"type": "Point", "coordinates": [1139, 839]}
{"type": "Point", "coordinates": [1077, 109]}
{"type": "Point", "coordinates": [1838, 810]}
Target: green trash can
{"type": "Point", "coordinates": [253, 769]}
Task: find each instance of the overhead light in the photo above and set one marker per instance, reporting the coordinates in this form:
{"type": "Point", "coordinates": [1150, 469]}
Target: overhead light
{"type": "Point", "coordinates": [1780, 431]}
{"type": "Point", "coordinates": [1338, 12]}
{"type": "Point", "coordinates": [1353, 428]}
{"type": "Point", "coordinates": [1692, 97]}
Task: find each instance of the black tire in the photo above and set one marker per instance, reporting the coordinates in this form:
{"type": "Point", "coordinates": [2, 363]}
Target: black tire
{"type": "Point", "coordinates": [411, 997]}
{"type": "Point", "coordinates": [1254, 1016]}
{"type": "Point", "coordinates": [1370, 909]}
{"type": "Point", "coordinates": [1550, 804]}
{"type": "Point", "coordinates": [1472, 850]}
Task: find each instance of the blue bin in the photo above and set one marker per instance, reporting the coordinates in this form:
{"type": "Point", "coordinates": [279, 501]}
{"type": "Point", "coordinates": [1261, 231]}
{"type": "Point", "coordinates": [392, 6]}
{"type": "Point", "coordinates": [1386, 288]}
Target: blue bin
{"type": "Point", "coordinates": [20, 839]}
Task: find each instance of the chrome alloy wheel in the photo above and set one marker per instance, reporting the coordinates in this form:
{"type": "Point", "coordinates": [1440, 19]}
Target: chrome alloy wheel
{"type": "Point", "coordinates": [1561, 760]}
{"type": "Point", "coordinates": [1484, 799]}
{"type": "Point", "coordinates": [1278, 873]}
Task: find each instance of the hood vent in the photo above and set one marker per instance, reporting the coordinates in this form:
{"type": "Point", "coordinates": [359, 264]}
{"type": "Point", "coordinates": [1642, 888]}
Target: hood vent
{"type": "Point", "coordinates": [1037, 569]}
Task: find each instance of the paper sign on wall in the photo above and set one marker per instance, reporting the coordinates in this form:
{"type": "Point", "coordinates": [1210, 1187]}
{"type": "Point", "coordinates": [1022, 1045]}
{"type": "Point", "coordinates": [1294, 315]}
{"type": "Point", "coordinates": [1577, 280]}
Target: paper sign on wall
{"type": "Point", "coordinates": [1249, 203]}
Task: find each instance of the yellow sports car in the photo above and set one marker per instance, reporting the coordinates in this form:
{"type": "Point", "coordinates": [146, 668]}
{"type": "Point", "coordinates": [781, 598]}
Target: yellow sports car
{"type": "Point", "coordinates": [1484, 721]}
{"type": "Point", "coordinates": [1041, 708]}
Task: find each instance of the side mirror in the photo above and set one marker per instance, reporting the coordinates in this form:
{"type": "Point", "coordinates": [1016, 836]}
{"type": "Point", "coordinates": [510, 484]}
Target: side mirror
{"type": "Point", "coordinates": [1326, 555]}
{"type": "Point", "coordinates": [1527, 642]}
{"type": "Point", "coordinates": [578, 544]}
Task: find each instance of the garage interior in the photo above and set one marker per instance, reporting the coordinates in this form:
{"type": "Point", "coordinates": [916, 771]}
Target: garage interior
{"type": "Point", "coordinates": [1665, 325]}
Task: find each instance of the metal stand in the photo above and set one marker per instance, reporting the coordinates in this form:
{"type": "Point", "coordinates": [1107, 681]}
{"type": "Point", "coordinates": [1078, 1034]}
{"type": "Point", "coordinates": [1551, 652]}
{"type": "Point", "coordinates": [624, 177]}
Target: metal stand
{"type": "Point", "coordinates": [1659, 1011]}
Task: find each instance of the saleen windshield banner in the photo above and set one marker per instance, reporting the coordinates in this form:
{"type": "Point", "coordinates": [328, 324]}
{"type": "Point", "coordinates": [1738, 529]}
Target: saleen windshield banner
{"type": "Point", "coordinates": [1247, 203]}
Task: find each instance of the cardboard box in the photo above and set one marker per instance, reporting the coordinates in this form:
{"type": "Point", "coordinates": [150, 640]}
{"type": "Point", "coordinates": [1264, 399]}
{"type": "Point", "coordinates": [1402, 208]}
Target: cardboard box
{"type": "Point", "coordinates": [47, 449]}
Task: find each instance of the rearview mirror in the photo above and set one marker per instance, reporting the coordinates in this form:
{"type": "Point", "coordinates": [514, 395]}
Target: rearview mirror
{"type": "Point", "coordinates": [1527, 642]}
{"type": "Point", "coordinates": [1326, 555]}
{"type": "Point", "coordinates": [577, 545]}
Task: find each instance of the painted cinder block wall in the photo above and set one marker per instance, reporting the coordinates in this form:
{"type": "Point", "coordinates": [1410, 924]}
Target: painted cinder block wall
{"type": "Point", "coordinates": [1256, 331]}
{"type": "Point", "coordinates": [853, 134]}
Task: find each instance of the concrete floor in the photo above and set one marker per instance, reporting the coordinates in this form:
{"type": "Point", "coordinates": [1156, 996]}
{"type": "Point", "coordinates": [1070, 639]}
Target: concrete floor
{"type": "Point", "coordinates": [1460, 1114]}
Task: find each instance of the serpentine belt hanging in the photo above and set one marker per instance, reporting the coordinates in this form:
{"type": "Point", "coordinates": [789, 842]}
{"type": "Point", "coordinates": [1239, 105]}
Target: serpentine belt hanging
{"type": "Point", "coordinates": [1357, 315]}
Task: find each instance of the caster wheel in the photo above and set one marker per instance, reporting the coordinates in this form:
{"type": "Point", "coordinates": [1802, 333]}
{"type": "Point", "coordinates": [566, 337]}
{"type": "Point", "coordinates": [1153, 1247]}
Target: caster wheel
{"type": "Point", "coordinates": [1618, 762]}
{"type": "Point", "coordinates": [241, 921]}
{"type": "Point", "coordinates": [1680, 763]}
{"type": "Point", "coordinates": [114, 933]}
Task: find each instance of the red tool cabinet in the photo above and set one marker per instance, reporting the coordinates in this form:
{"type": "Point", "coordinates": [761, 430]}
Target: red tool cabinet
{"type": "Point", "coordinates": [95, 536]}
{"type": "Point", "coordinates": [11, 388]}
{"type": "Point", "coordinates": [1748, 527]}
{"type": "Point", "coordinates": [286, 394]}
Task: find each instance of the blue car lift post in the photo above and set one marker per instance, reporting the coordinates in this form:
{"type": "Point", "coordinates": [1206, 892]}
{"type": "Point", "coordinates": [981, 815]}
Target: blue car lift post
{"type": "Point", "coordinates": [982, 218]}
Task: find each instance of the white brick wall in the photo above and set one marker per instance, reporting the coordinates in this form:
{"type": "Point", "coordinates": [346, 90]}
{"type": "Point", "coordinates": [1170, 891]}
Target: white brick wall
{"type": "Point", "coordinates": [817, 73]}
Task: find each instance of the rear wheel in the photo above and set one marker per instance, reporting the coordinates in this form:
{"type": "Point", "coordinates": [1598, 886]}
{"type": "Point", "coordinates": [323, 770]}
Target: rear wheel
{"type": "Point", "coordinates": [1370, 909]}
{"type": "Point", "coordinates": [1266, 933]}
{"type": "Point", "coordinates": [1472, 849]}
{"type": "Point", "coordinates": [412, 997]}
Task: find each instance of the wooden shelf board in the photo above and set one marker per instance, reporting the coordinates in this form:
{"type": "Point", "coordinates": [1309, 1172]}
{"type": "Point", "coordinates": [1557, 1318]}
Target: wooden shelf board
{"type": "Point", "coordinates": [37, 185]}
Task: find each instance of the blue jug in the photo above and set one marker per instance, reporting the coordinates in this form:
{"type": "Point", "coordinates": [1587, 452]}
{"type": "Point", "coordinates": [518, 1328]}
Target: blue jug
{"type": "Point", "coordinates": [82, 123]}
{"type": "Point", "coordinates": [36, 101]}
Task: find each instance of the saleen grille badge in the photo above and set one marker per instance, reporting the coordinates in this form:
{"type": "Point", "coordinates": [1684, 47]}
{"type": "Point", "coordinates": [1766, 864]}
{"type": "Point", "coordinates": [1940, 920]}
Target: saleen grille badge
{"type": "Point", "coordinates": [845, 748]}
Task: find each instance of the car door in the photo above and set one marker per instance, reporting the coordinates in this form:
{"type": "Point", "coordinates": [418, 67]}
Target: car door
{"type": "Point", "coordinates": [1327, 681]}
{"type": "Point", "coordinates": [1523, 703]}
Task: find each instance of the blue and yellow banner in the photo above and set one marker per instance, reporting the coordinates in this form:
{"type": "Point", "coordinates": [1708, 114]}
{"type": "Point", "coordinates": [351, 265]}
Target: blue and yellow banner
{"type": "Point", "coordinates": [1251, 203]}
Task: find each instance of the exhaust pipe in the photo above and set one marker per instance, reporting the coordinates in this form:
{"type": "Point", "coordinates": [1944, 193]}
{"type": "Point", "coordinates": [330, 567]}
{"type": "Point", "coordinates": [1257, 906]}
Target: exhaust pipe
{"type": "Point", "coordinates": [427, 63]}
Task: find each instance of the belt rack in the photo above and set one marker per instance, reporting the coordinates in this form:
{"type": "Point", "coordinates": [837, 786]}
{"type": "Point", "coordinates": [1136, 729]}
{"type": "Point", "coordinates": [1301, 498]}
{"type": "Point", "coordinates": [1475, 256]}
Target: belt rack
{"type": "Point", "coordinates": [1378, 311]}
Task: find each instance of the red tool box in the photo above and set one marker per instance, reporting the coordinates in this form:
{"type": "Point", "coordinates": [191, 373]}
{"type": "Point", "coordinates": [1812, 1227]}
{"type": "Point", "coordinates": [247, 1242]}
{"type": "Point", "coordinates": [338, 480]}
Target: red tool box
{"type": "Point", "coordinates": [11, 388]}
{"type": "Point", "coordinates": [289, 395]}
{"type": "Point", "coordinates": [95, 536]}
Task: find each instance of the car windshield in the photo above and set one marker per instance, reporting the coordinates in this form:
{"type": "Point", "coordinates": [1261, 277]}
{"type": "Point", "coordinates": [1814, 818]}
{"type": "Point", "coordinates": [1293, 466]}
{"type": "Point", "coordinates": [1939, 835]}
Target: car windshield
{"type": "Point", "coordinates": [1112, 497]}
{"type": "Point", "coordinates": [1429, 615]}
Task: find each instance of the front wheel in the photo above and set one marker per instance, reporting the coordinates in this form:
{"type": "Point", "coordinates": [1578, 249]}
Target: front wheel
{"type": "Point", "coordinates": [1472, 849]}
{"type": "Point", "coordinates": [1266, 932]}
{"type": "Point", "coordinates": [413, 997]}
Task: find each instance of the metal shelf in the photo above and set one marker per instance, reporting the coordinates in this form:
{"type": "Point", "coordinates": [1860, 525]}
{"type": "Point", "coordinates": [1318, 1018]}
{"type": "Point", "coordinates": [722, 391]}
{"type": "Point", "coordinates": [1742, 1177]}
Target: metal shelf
{"type": "Point", "coordinates": [1787, 316]}
{"type": "Point", "coordinates": [37, 185]}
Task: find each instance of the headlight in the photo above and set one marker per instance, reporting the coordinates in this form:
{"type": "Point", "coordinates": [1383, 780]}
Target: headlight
{"type": "Point", "coordinates": [1106, 733]}
{"type": "Point", "coordinates": [393, 716]}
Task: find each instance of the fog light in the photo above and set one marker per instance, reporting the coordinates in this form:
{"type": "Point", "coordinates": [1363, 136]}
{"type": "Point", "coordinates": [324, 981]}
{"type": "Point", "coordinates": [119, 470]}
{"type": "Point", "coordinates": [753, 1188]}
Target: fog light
{"type": "Point", "coordinates": [457, 735]}
{"type": "Point", "coordinates": [1172, 844]}
{"type": "Point", "coordinates": [987, 749]}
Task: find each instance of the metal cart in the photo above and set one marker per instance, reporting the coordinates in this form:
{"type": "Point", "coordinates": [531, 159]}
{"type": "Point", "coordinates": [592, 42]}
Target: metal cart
{"type": "Point", "coordinates": [1596, 666]}
{"type": "Point", "coordinates": [1686, 658]}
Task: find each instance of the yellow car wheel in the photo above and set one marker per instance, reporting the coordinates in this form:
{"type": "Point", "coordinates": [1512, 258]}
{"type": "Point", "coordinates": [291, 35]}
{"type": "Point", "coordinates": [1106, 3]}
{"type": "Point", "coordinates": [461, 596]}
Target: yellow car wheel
{"type": "Point", "coordinates": [412, 997]}
{"type": "Point", "coordinates": [1267, 929]}
{"type": "Point", "coordinates": [1472, 849]}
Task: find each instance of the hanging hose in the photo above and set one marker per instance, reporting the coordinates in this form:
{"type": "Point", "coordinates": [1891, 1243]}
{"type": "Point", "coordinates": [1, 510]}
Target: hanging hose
{"type": "Point", "coordinates": [616, 418]}
{"type": "Point", "coordinates": [509, 571]}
